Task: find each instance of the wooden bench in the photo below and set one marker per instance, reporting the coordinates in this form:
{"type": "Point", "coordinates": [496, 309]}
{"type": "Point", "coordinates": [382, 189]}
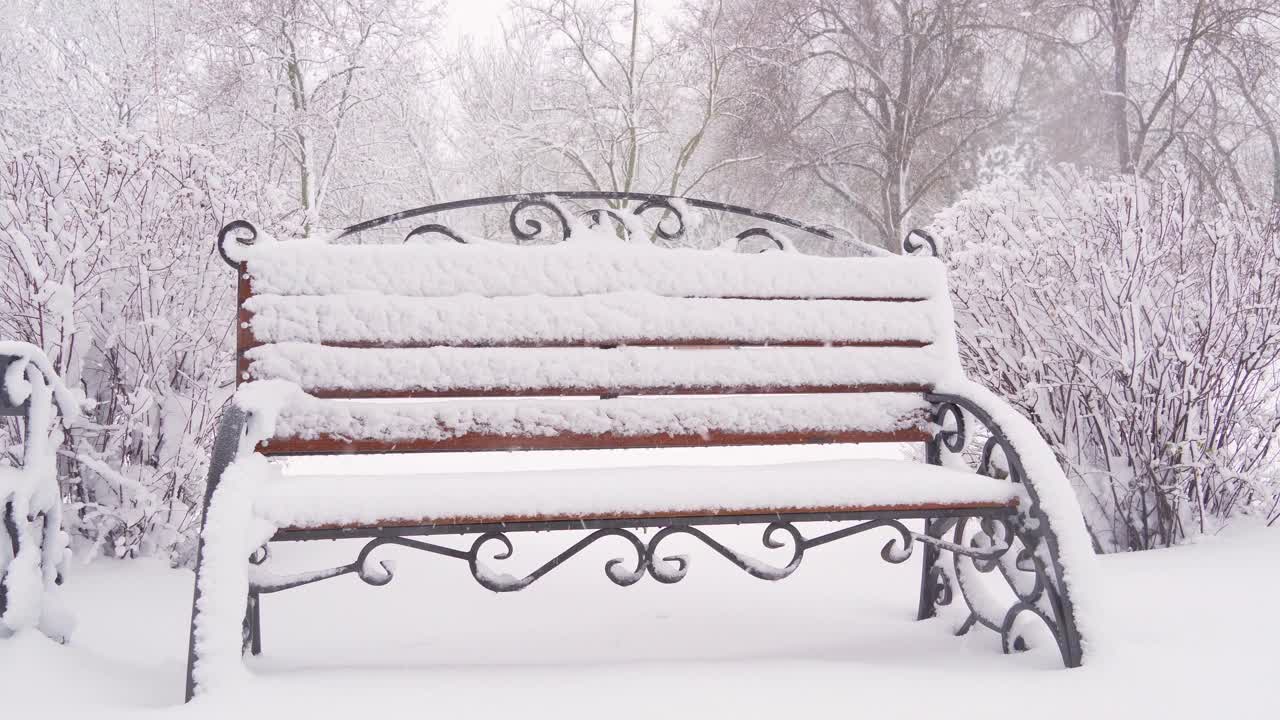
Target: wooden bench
{"type": "Point", "coordinates": [591, 342]}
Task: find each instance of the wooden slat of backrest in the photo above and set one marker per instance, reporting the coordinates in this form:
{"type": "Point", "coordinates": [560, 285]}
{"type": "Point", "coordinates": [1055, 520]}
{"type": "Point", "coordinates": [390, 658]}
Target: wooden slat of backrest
{"type": "Point", "coordinates": [621, 434]}
{"type": "Point", "coordinates": [886, 335]}
{"type": "Point", "coordinates": [608, 320]}
{"type": "Point", "coordinates": [573, 441]}
{"type": "Point", "coordinates": [246, 341]}
{"type": "Point", "coordinates": [582, 268]}
{"type": "Point", "coordinates": [531, 372]}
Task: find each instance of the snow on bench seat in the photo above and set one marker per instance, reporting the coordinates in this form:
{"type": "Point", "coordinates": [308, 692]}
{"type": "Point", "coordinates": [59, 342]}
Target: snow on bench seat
{"type": "Point", "coordinates": [572, 268]}
{"type": "Point", "coordinates": [624, 493]}
{"type": "Point", "coordinates": [621, 318]}
{"type": "Point", "coordinates": [304, 424]}
{"type": "Point", "coordinates": [348, 372]}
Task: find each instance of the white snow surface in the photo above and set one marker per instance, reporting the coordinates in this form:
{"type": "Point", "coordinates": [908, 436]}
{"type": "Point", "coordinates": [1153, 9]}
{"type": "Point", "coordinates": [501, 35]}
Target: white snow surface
{"type": "Point", "coordinates": [302, 416]}
{"type": "Point", "coordinates": [566, 269]}
{"type": "Point", "coordinates": [435, 369]}
{"type": "Point", "coordinates": [615, 317]}
{"type": "Point", "coordinates": [326, 499]}
{"type": "Point", "coordinates": [838, 633]}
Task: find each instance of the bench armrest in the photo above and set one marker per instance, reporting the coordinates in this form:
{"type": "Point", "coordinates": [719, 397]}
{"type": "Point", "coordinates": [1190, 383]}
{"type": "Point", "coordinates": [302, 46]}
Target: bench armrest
{"type": "Point", "coordinates": [1053, 521]}
{"type": "Point", "coordinates": [226, 445]}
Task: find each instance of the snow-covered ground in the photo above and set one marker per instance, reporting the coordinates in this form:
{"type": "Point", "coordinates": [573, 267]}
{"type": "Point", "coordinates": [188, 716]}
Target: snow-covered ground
{"type": "Point", "coordinates": [1190, 632]}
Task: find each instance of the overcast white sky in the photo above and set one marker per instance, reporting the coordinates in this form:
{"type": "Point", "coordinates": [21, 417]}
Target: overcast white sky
{"type": "Point", "coordinates": [474, 16]}
{"type": "Point", "coordinates": [477, 17]}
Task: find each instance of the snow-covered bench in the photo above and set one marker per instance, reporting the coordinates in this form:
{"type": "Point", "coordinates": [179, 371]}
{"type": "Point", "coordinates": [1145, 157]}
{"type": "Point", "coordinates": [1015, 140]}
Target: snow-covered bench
{"type": "Point", "coordinates": [470, 345]}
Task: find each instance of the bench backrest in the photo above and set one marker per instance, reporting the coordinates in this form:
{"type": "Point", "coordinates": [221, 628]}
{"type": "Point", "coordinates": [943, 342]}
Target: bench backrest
{"type": "Point", "coordinates": [582, 319]}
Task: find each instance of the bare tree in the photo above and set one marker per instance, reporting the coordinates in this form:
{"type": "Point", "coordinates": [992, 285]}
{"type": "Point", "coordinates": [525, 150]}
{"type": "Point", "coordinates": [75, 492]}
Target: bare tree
{"type": "Point", "coordinates": [300, 74]}
{"type": "Point", "coordinates": [603, 94]}
{"type": "Point", "coordinates": [898, 93]}
{"type": "Point", "coordinates": [1235, 139]}
{"type": "Point", "coordinates": [1154, 74]}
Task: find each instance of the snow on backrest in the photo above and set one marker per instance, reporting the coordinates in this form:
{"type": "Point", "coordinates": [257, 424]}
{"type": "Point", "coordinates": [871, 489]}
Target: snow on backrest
{"type": "Point", "coordinates": [573, 319]}
{"type": "Point", "coordinates": [567, 269]}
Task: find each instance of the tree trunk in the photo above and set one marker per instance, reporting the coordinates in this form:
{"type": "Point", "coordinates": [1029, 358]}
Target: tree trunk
{"type": "Point", "coordinates": [1121, 21]}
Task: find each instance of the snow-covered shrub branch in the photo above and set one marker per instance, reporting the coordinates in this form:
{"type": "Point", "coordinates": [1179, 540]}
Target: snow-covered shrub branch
{"type": "Point", "coordinates": [107, 265]}
{"type": "Point", "coordinates": [1139, 330]}
{"type": "Point", "coordinates": [33, 546]}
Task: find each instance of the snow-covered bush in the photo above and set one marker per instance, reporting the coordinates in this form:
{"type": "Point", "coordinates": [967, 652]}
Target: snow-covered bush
{"type": "Point", "coordinates": [1140, 330]}
{"type": "Point", "coordinates": [33, 546]}
{"type": "Point", "coordinates": [107, 264]}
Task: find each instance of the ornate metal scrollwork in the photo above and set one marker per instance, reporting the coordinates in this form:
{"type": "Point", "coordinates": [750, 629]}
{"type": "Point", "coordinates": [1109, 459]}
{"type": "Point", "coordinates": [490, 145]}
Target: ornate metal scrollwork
{"type": "Point", "coordinates": [1021, 551]}
{"type": "Point", "coordinates": [1022, 572]}
{"type": "Point", "coordinates": [665, 204]}
{"type": "Point", "coordinates": [911, 246]}
{"type": "Point", "coordinates": [531, 228]}
{"type": "Point", "coordinates": [614, 569]}
{"type": "Point", "coordinates": [435, 229]}
{"type": "Point", "coordinates": [759, 232]}
{"type": "Point", "coordinates": [244, 233]}
{"type": "Point", "coordinates": [951, 436]}
{"type": "Point", "coordinates": [624, 207]}
{"type": "Point", "coordinates": [623, 571]}
{"type": "Point", "coordinates": [595, 217]}
{"type": "Point", "coordinates": [663, 568]}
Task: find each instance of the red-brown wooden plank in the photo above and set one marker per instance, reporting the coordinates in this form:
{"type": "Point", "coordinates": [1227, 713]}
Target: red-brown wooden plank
{"type": "Point", "coordinates": [246, 339]}
{"type": "Point", "coordinates": [850, 298]}
{"type": "Point", "coordinates": [616, 391]}
{"type": "Point", "coordinates": [721, 342]}
{"type": "Point", "coordinates": [576, 441]}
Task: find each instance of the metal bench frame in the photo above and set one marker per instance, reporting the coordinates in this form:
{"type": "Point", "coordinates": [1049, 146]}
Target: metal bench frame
{"type": "Point", "coordinates": [8, 517]}
{"type": "Point", "coordinates": [1017, 544]}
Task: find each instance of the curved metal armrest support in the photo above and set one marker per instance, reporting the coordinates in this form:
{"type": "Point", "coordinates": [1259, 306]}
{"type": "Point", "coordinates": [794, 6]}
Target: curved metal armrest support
{"type": "Point", "coordinates": [954, 406]}
{"type": "Point", "coordinates": [1034, 526]}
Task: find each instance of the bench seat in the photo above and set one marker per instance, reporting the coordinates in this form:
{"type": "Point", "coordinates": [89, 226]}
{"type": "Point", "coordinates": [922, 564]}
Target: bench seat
{"type": "Point", "coordinates": [833, 486]}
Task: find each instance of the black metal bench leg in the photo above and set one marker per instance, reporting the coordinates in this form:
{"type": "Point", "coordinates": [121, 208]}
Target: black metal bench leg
{"type": "Point", "coordinates": [935, 589]}
{"type": "Point", "coordinates": [934, 528]}
{"type": "Point", "coordinates": [253, 624]}
{"type": "Point", "coordinates": [927, 607]}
